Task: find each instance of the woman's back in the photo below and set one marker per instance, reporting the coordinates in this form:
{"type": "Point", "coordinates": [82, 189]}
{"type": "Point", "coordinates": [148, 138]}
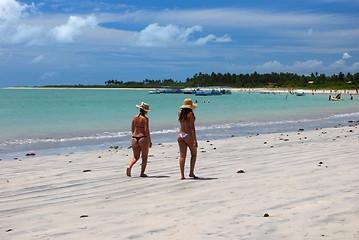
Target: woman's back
{"type": "Point", "coordinates": [186, 122]}
{"type": "Point", "coordinates": [139, 125]}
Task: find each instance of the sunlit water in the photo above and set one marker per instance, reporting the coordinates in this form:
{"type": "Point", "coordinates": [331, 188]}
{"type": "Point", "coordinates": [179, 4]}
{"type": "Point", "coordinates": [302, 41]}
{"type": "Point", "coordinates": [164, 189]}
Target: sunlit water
{"type": "Point", "coordinates": [58, 120]}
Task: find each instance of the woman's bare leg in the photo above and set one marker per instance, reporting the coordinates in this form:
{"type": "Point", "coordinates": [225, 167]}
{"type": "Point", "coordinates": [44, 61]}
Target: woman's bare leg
{"type": "Point", "coordinates": [144, 161]}
{"type": "Point", "coordinates": [136, 155]}
{"type": "Point", "coordinates": [193, 150]}
{"type": "Point", "coordinates": [183, 151]}
{"type": "Point", "coordinates": [143, 142]}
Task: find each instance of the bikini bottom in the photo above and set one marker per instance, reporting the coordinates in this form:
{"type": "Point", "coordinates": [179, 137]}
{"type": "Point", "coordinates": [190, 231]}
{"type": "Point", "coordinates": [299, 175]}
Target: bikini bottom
{"type": "Point", "coordinates": [183, 135]}
{"type": "Point", "coordinates": [138, 138]}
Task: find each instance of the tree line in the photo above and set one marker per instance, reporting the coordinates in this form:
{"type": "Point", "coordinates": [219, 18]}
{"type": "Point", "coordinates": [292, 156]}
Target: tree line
{"type": "Point", "coordinates": [254, 80]}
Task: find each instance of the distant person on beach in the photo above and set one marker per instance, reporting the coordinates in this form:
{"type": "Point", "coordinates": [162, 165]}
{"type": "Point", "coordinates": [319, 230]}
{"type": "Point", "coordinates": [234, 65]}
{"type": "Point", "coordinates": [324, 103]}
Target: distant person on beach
{"type": "Point", "coordinates": [141, 140]}
{"type": "Point", "coordinates": [187, 136]}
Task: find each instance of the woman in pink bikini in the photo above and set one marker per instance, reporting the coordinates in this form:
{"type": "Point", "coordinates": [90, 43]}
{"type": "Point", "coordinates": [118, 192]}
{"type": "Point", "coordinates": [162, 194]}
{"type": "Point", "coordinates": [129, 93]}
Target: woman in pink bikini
{"type": "Point", "coordinates": [141, 140]}
{"type": "Point", "coordinates": [187, 136]}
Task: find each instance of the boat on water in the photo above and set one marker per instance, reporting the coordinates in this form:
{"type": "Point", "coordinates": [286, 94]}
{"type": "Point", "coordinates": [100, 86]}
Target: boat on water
{"type": "Point", "coordinates": [208, 92]}
{"type": "Point", "coordinates": [189, 91]}
{"type": "Point", "coordinates": [166, 90]}
{"type": "Point", "coordinates": [205, 91]}
{"type": "Point", "coordinates": [212, 91]}
{"type": "Point", "coordinates": [299, 92]}
{"type": "Point", "coordinates": [336, 98]}
{"type": "Point", "coordinates": [157, 91]}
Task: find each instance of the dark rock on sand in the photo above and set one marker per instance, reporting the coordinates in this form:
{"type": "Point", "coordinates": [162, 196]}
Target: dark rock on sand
{"type": "Point", "coordinates": [240, 171]}
{"type": "Point", "coordinates": [84, 216]}
{"type": "Point", "coordinates": [266, 215]}
{"type": "Point", "coordinates": [9, 230]}
{"type": "Point", "coordinates": [30, 154]}
{"type": "Point", "coordinates": [87, 170]}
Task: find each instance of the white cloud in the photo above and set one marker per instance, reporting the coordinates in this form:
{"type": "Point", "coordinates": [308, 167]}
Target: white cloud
{"type": "Point", "coordinates": [38, 59]}
{"type": "Point", "coordinates": [271, 66]}
{"type": "Point", "coordinates": [11, 10]}
{"type": "Point", "coordinates": [346, 55]}
{"type": "Point", "coordinates": [355, 67]}
{"type": "Point", "coordinates": [212, 38]}
{"type": "Point", "coordinates": [155, 35]}
{"type": "Point", "coordinates": [74, 27]}
{"type": "Point", "coordinates": [307, 67]}
{"type": "Point", "coordinates": [31, 34]}
{"type": "Point", "coordinates": [338, 65]}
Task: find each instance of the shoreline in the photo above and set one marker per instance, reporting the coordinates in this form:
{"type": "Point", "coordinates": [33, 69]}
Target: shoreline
{"type": "Point", "coordinates": [256, 90]}
{"type": "Point", "coordinates": [305, 181]}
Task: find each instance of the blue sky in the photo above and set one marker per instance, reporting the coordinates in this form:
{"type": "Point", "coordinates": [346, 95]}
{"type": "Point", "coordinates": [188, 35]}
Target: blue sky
{"type": "Point", "coordinates": [49, 42]}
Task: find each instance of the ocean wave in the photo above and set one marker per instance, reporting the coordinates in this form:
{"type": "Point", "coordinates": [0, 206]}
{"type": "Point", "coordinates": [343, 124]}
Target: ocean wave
{"type": "Point", "coordinates": [112, 135]}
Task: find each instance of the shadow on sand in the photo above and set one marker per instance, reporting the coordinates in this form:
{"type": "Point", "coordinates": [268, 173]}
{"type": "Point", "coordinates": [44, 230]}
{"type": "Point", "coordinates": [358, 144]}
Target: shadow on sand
{"type": "Point", "coordinates": [158, 176]}
{"type": "Point", "coordinates": [201, 178]}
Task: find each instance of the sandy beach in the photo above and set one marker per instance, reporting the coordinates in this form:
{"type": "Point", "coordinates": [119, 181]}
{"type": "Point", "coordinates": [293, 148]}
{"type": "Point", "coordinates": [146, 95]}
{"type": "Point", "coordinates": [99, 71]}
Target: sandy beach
{"type": "Point", "coordinates": [299, 185]}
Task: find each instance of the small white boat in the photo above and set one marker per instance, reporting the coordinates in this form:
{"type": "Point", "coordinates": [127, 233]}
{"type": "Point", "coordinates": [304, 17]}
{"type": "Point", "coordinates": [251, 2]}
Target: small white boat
{"type": "Point", "coordinates": [299, 92]}
{"type": "Point", "coordinates": [154, 92]}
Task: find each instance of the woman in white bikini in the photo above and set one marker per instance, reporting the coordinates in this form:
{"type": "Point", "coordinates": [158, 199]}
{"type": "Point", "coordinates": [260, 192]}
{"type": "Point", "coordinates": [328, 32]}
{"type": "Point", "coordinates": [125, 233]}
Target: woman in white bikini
{"type": "Point", "coordinates": [187, 136]}
{"type": "Point", "coordinates": [141, 140]}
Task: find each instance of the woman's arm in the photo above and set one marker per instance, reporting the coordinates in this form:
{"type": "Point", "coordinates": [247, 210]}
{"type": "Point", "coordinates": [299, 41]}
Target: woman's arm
{"type": "Point", "coordinates": [147, 130]}
{"type": "Point", "coordinates": [133, 125]}
{"type": "Point", "coordinates": [193, 129]}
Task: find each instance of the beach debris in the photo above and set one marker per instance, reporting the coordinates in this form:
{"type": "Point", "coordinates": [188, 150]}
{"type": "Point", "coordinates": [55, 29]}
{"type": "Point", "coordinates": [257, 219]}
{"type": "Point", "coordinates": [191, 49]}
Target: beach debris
{"type": "Point", "coordinates": [207, 140]}
{"type": "Point", "coordinates": [70, 161]}
{"type": "Point", "coordinates": [151, 155]}
{"type": "Point", "coordinates": [30, 154]}
{"type": "Point", "coordinates": [203, 151]}
{"type": "Point", "coordinates": [286, 140]}
{"type": "Point", "coordinates": [241, 171]}
{"type": "Point", "coordinates": [300, 130]}
{"type": "Point", "coordinates": [348, 131]}
{"type": "Point", "coordinates": [159, 144]}
{"type": "Point", "coordinates": [214, 148]}
{"type": "Point", "coordinates": [320, 162]}
{"type": "Point", "coordinates": [87, 170]}
{"type": "Point", "coordinates": [265, 142]}
{"type": "Point", "coordinates": [129, 147]}
{"type": "Point", "coordinates": [99, 156]}
{"type": "Point", "coordinates": [84, 216]}
{"type": "Point", "coordinates": [232, 136]}
{"type": "Point", "coordinates": [115, 147]}
{"type": "Point", "coordinates": [15, 158]}
{"type": "Point", "coordinates": [9, 230]}
{"type": "Point", "coordinates": [266, 215]}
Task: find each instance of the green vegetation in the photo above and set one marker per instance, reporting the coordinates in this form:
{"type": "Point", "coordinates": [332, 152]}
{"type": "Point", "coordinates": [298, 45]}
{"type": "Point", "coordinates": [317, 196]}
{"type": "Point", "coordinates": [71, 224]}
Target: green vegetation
{"type": "Point", "coordinates": [254, 80]}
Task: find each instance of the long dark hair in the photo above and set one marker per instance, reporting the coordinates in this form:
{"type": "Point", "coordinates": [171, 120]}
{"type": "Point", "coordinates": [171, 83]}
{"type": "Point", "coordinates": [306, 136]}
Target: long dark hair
{"type": "Point", "coordinates": [184, 113]}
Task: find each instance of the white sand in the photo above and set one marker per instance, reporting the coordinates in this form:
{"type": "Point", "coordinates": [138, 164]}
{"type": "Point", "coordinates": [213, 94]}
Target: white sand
{"type": "Point", "coordinates": [43, 197]}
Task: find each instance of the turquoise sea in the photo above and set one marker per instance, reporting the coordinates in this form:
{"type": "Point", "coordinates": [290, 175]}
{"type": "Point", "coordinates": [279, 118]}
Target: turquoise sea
{"type": "Point", "coordinates": [63, 120]}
